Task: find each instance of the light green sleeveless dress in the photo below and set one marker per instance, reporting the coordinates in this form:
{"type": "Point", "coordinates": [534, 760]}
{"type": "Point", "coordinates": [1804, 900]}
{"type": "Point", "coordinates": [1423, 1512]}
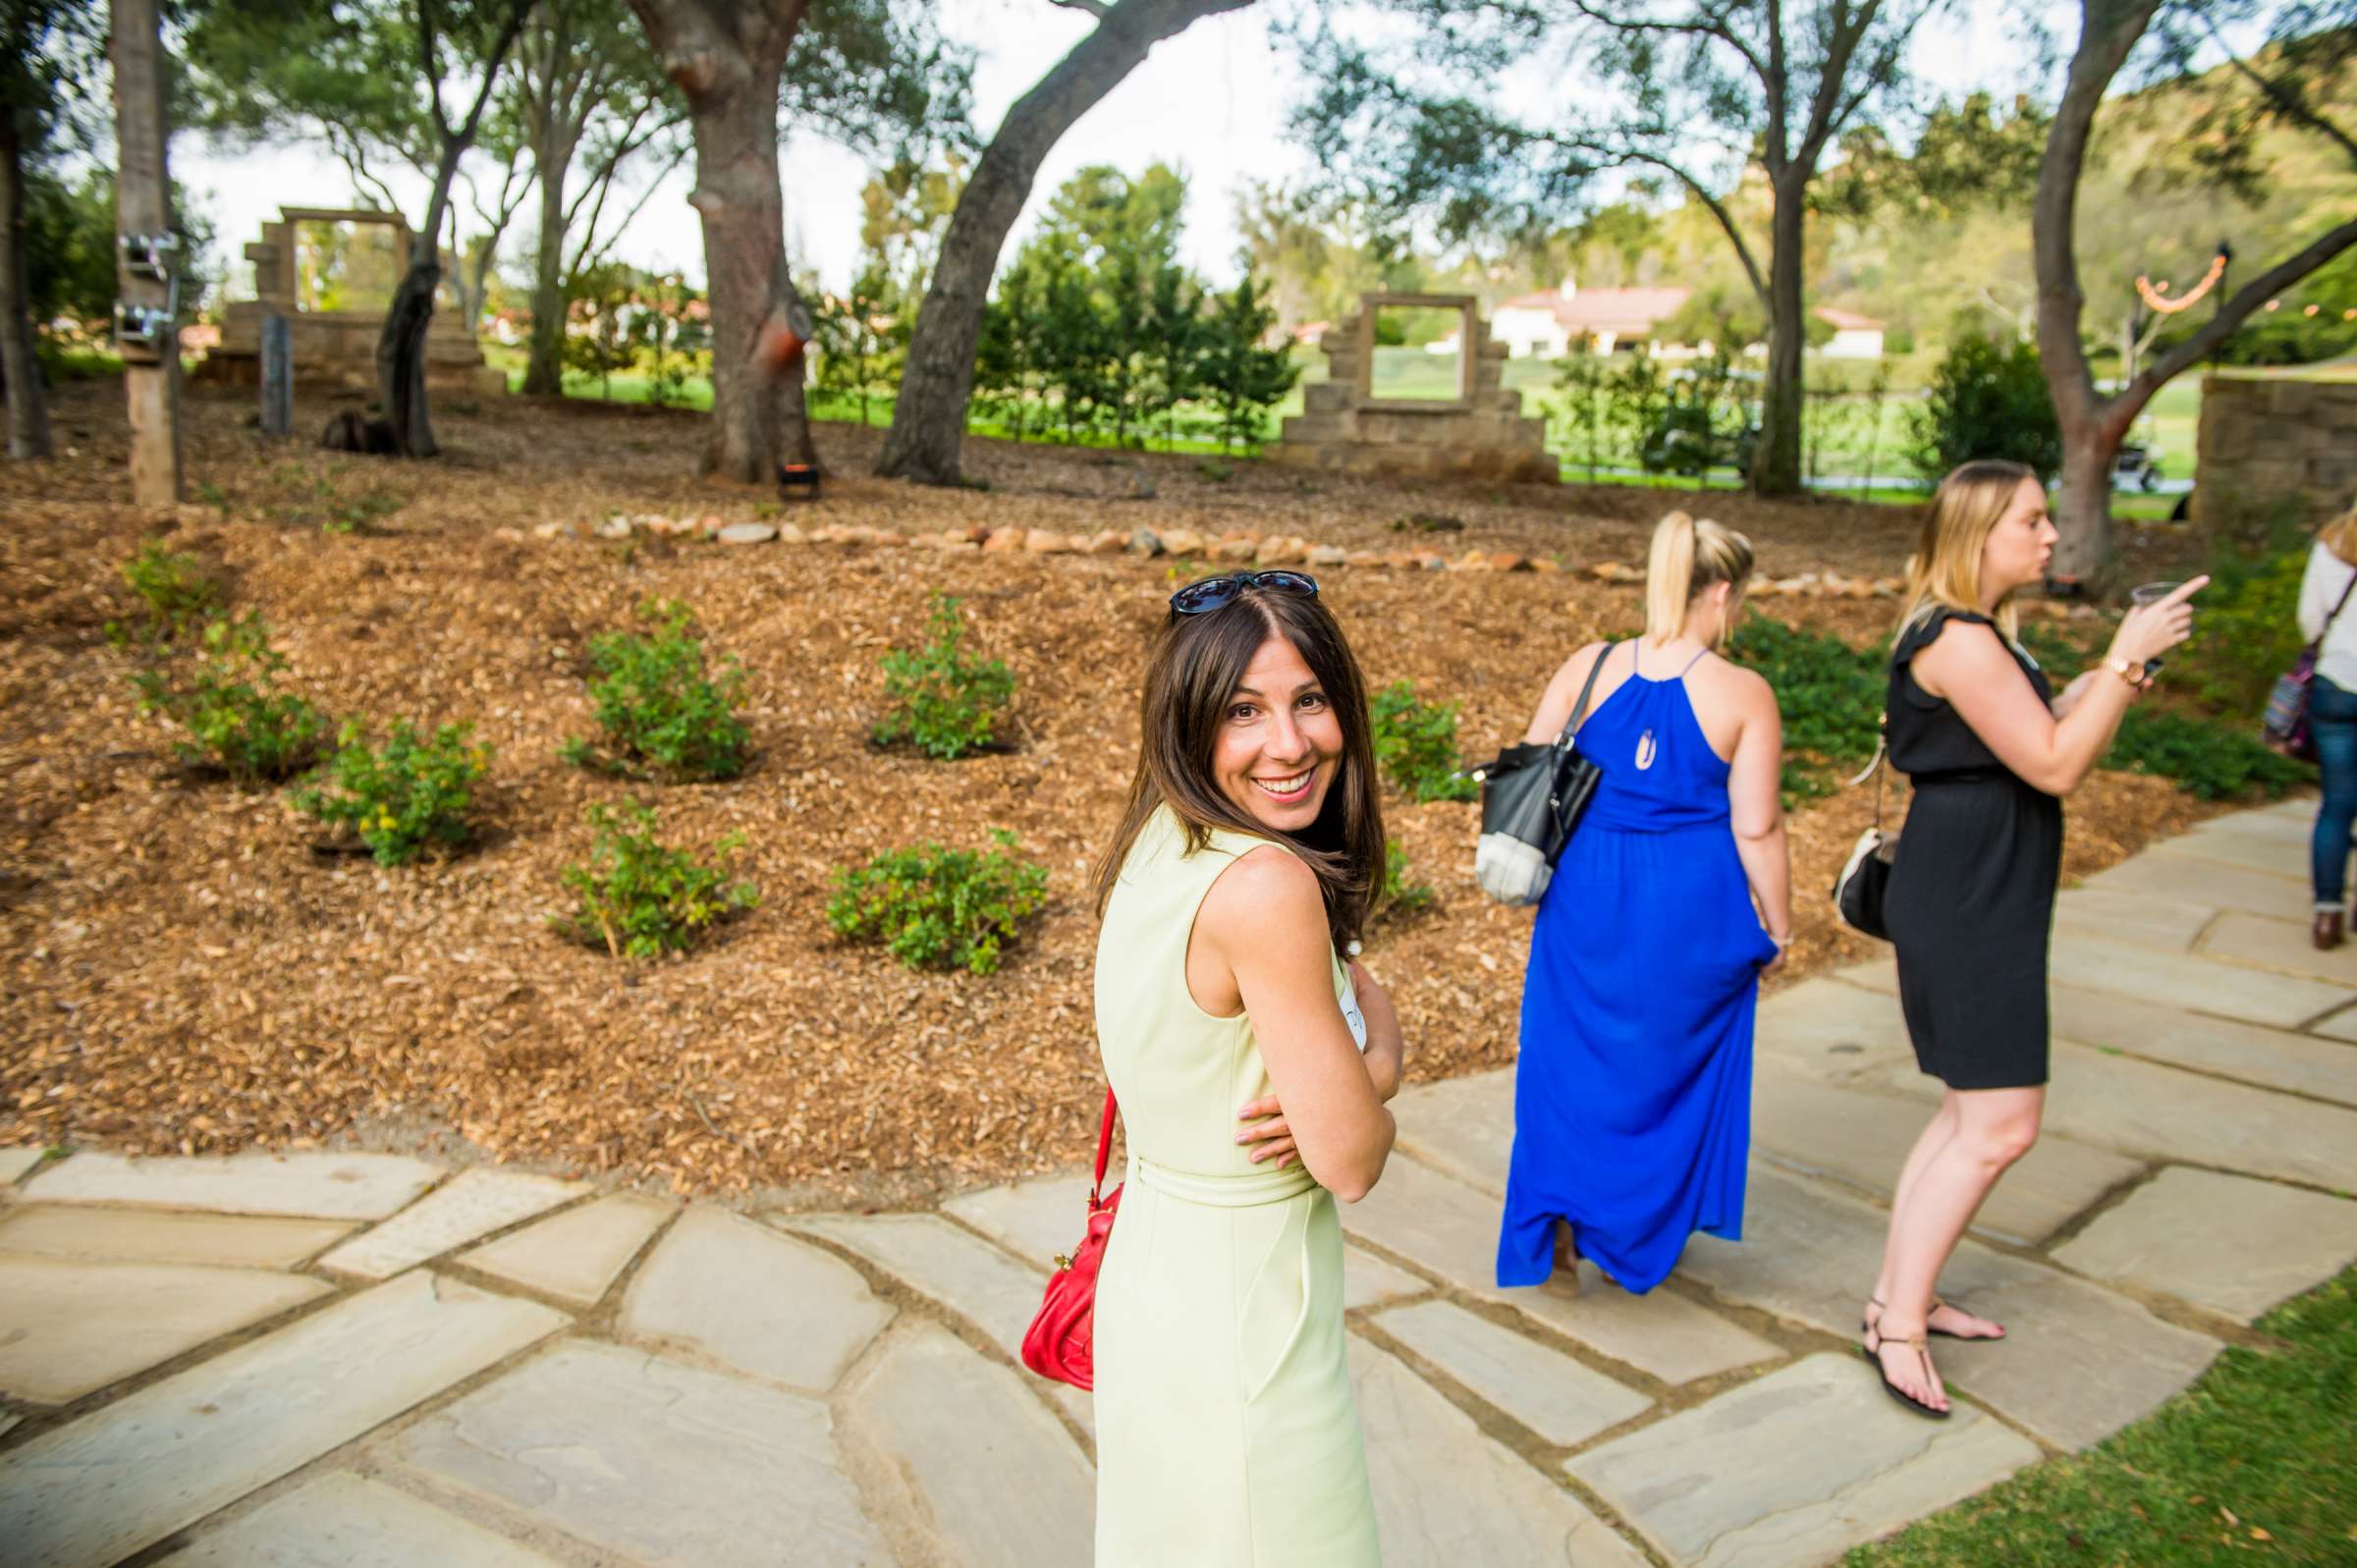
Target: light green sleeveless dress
{"type": "Point", "coordinates": [1226, 1432]}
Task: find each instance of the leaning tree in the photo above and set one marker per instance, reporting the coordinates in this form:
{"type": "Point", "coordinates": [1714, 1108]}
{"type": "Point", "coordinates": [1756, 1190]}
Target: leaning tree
{"type": "Point", "coordinates": [864, 72]}
{"type": "Point", "coordinates": [2291, 82]}
{"type": "Point", "coordinates": [928, 421]}
{"type": "Point", "coordinates": [1705, 92]}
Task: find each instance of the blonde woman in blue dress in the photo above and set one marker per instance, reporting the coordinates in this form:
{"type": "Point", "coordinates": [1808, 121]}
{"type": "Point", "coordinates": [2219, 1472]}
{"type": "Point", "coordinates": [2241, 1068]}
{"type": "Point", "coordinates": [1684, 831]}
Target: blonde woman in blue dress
{"type": "Point", "coordinates": [1252, 1061]}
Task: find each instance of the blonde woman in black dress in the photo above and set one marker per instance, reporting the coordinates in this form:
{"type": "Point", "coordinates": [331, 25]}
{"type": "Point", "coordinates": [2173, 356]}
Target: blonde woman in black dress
{"type": "Point", "coordinates": [1991, 751]}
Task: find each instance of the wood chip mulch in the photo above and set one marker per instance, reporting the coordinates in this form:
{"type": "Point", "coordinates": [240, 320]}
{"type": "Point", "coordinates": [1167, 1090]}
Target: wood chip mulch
{"type": "Point", "coordinates": [185, 972]}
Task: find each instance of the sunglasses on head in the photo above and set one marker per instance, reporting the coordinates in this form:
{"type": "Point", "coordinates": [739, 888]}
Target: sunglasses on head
{"type": "Point", "coordinates": [1216, 593]}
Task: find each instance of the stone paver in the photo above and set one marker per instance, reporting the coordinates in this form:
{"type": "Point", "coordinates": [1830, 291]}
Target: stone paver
{"type": "Point", "coordinates": [1862, 1139]}
{"type": "Point", "coordinates": [323, 1187]}
{"type": "Point", "coordinates": [1849, 1466]}
{"type": "Point", "coordinates": [1464, 1126]}
{"type": "Point", "coordinates": [1446, 1496]}
{"type": "Point", "coordinates": [1367, 1279]}
{"type": "Point", "coordinates": [2079, 1361]}
{"type": "Point", "coordinates": [965, 1436]}
{"type": "Point", "coordinates": [98, 1490]}
{"type": "Point", "coordinates": [2121, 916]}
{"type": "Point", "coordinates": [1452, 1230]}
{"type": "Point", "coordinates": [576, 1256]}
{"type": "Point", "coordinates": [2232, 1244]}
{"type": "Point", "coordinates": [2196, 984]}
{"type": "Point", "coordinates": [154, 1235]}
{"type": "Point", "coordinates": [2341, 1026]}
{"type": "Point", "coordinates": [470, 1205]}
{"type": "Point", "coordinates": [14, 1162]}
{"type": "Point", "coordinates": [935, 1257]}
{"type": "Point", "coordinates": [2160, 1114]}
{"type": "Point", "coordinates": [2270, 1058]}
{"type": "Point", "coordinates": [71, 1328]}
{"type": "Point", "coordinates": [2226, 842]}
{"type": "Point", "coordinates": [2282, 945]}
{"type": "Point", "coordinates": [728, 1288]}
{"type": "Point", "coordinates": [665, 1464]}
{"type": "Point", "coordinates": [1829, 1030]}
{"type": "Point", "coordinates": [1037, 1219]}
{"type": "Point", "coordinates": [2182, 879]}
{"type": "Point", "coordinates": [1548, 1392]}
{"type": "Point", "coordinates": [347, 1521]}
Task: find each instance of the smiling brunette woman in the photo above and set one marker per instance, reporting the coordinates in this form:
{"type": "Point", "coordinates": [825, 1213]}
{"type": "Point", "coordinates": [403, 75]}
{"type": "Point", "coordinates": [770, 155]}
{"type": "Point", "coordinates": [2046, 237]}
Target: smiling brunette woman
{"type": "Point", "coordinates": [1252, 1065]}
{"type": "Point", "coordinates": [1991, 751]}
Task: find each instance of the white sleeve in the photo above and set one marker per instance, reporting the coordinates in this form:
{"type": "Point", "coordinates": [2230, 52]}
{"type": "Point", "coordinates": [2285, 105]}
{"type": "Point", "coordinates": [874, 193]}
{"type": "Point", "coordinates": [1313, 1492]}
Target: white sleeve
{"type": "Point", "coordinates": [2321, 588]}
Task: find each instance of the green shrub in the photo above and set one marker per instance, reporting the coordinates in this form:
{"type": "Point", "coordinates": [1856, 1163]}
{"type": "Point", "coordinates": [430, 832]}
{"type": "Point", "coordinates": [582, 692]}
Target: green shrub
{"type": "Point", "coordinates": [1415, 746]}
{"type": "Point", "coordinates": [403, 797]}
{"type": "Point", "coordinates": [1986, 399]}
{"type": "Point", "coordinates": [2246, 628]}
{"type": "Point", "coordinates": [224, 700]}
{"type": "Point", "coordinates": [1397, 895]}
{"type": "Point", "coordinates": [944, 703]}
{"type": "Point", "coordinates": [640, 898]}
{"type": "Point", "coordinates": [176, 589]}
{"type": "Point", "coordinates": [1831, 695]}
{"type": "Point", "coordinates": [657, 706]}
{"type": "Point", "coordinates": [2207, 758]}
{"type": "Point", "coordinates": [936, 908]}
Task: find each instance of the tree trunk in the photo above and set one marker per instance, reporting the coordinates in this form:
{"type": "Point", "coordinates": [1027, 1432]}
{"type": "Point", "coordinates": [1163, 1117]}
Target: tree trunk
{"type": "Point", "coordinates": [928, 423]}
{"type": "Point", "coordinates": [20, 366]}
{"type": "Point", "coordinates": [738, 198]}
{"type": "Point", "coordinates": [143, 206]}
{"type": "Point", "coordinates": [2083, 505]}
{"type": "Point", "coordinates": [1775, 463]}
{"type": "Point", "coordinates": [544, 369]}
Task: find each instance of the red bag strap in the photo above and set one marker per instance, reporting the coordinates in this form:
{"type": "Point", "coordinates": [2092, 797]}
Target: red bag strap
{"type": "Point", "coordinates": [1104, 1147]}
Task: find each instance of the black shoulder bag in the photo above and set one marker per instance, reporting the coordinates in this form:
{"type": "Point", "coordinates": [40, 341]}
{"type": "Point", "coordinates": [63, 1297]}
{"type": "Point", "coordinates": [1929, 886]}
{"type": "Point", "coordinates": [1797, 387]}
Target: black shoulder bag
{"type": "Point", "coordinates": [1865, 876]}
{"type": "Point", "coordinates": [1531, 798]}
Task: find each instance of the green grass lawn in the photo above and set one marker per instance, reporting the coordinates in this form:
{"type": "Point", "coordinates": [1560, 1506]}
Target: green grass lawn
{"type": "Point", "coordinates": [2257, 1462]}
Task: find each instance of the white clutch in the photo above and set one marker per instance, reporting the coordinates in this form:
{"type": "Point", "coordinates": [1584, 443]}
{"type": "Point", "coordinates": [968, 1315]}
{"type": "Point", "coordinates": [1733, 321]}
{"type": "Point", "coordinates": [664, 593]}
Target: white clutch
{"type": "Point", "coordinates": [1510, 871]}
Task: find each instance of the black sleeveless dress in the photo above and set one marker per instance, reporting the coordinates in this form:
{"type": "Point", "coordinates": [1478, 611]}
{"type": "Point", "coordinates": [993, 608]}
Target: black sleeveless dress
{"type": "Point", "coordinates": [1971, 900]}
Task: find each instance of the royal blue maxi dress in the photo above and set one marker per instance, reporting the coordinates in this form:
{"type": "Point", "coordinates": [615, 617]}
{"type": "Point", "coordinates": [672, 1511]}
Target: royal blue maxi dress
{"type": "Point", "coordinates": [1632, 1094]}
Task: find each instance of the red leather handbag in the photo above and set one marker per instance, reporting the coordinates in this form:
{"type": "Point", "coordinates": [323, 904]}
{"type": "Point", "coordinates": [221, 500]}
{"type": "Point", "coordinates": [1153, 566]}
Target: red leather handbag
{"type": "Point", "coordinates": [1059, 1343]}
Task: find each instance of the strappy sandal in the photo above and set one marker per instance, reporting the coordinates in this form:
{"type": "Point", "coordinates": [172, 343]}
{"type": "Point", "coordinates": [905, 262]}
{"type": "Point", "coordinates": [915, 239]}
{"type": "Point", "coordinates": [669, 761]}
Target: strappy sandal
{"type": "Point", "coordinates": [1923, 1351]}
{"type": "Point", "coordinates": [1867, 1327]}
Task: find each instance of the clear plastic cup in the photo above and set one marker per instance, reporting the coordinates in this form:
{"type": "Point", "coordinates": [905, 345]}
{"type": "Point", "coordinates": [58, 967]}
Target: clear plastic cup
{"type": "Point", "coordinates": [2152, 593]}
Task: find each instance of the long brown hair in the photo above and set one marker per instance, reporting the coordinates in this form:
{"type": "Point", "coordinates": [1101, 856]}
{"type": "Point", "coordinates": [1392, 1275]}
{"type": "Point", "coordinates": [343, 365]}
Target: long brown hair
{"type": "Point", "coordinates": [1191, 677]}
{"type": "Point", "coordinates": [1946, 567]}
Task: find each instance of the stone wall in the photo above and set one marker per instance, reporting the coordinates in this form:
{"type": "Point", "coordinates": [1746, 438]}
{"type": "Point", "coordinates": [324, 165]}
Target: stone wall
{"type": "Point", "coordinates": [336, 348]}
{"type": "Point", "coordinates": [1482, 434]}
{"type": "Point", "coordinates": [2271, 444]}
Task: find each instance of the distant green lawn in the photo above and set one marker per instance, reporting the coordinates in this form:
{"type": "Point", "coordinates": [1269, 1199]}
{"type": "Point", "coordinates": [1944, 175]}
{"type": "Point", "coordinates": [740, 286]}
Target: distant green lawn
{"type": "Point", "coordinates": [1413, 374]}
{"type": "Point", "coordinates": [2255, 1463]}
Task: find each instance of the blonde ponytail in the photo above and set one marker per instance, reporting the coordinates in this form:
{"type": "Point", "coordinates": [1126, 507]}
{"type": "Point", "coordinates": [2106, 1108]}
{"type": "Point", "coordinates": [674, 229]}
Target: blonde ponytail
{"type": "Point", "coordinates": [1688, 559]}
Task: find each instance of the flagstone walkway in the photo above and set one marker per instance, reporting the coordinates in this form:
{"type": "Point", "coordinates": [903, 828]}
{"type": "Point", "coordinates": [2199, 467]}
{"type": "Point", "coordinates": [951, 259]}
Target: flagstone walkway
{"type": "Point", "coordinates": [366, 1361]}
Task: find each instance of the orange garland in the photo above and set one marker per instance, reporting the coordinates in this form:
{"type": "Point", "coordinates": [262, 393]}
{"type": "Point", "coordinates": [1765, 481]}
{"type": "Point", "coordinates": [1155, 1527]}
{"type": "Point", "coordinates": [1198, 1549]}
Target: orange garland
{"type": "Point", "coordinates": [2155, 299]}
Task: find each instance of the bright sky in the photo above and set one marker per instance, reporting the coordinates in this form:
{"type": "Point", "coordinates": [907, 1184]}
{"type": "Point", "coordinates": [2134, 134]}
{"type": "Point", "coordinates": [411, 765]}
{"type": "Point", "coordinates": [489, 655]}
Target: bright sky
{"type": "Point", "coordinates": [1211, 101]}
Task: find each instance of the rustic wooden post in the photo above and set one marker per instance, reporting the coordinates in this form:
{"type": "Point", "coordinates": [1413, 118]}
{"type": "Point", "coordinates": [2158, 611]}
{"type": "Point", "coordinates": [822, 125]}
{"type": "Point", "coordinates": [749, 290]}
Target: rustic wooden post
{"type": "Point", "coordinates": [278, 375]}
{"type": "Point", "coordinates": [143, 212]}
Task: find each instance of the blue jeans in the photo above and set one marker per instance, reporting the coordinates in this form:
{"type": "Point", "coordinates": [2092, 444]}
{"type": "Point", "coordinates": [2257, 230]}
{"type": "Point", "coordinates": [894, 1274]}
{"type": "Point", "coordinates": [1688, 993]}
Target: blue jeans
{"type": "Point", "coordinates": [2332, 719]}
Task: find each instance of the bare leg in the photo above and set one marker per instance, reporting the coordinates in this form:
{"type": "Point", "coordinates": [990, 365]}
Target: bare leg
{"type": "Point", "coordinates": [1993, 1128]}
{"type": "Point", "coordinates": [1936, 1135]}
{"type": "Point", "coordinates": [1948, 1318]}
{"type": "Point", "coordinates": [1565, 1278]}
